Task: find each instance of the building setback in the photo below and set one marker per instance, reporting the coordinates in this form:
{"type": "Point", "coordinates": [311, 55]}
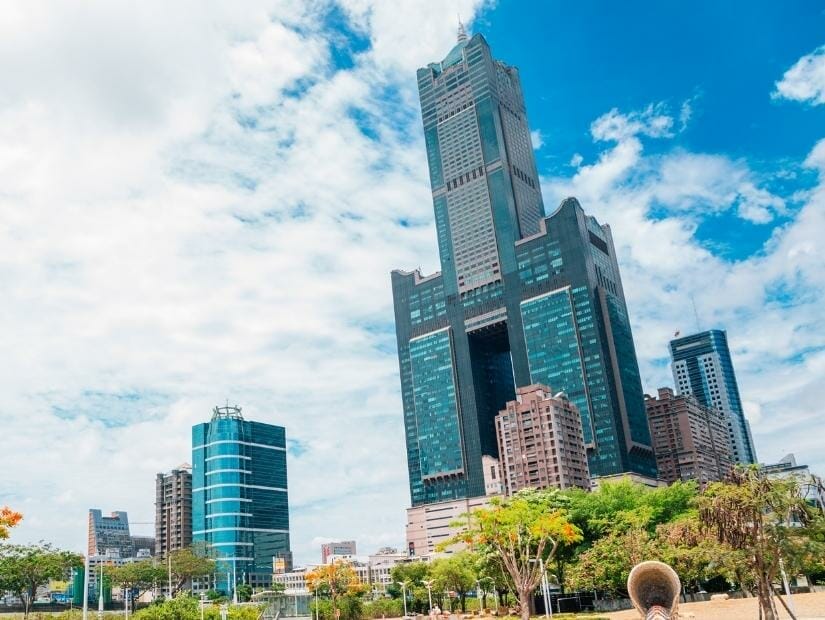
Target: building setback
{"type": "Point", "coordinates": [702, 366]}
{"type": "Point", "coordinates": [240, 508]}
{"type": "Point", "coordinates": [173, 510]}
{"type": "Point", "coordinates": [540, 442]}
{"type": "Point", "coordinates": [521, 298]}
{"type": "Point", "coordinates": [689, 439]}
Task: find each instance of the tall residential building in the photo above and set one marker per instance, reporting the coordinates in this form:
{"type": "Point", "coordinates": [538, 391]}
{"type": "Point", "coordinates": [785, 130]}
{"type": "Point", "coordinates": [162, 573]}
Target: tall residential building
{"type": "Point", "coordinates": [342, 547]}
{"type": "Point", "coordinates": [108, 533]}
{"type": "Point", "coordinates": [240, 508]}
{"type": "Point", "coordinates": [540, 442]}
{"type": "Point", "coordinates": [689, 439]}
{"type": "Point", "coordinates": [520, 299]}
{"type": "Point", "coordinates": [173, 510]}
{"type": "Point", "coordinates": [702, 366]}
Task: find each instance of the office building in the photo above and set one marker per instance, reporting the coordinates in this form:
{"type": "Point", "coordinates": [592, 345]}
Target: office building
{"type": "Point", "coordinates": [429, 525]}
{"type": "Point", "coordinates": [810, 484]}
{"type": "Point", "coordinates": [173, 510]}
{"type": "Point", "coordinates": [690, 440]}
{"type": "Point", "coordinates": [143, 546]}
{"type": "Point", "coordinates": [240, 508]}
{"type": "Point", "coordinates": [540, 442]}
{"type": "Point", "coordinates": [521, 298]}
{"type": "Point", "coordinates": [342, 547]}
{"type": "Point", "coordinates": [108, 533]}
{"type": "Point", "coordinates": [702, 366]}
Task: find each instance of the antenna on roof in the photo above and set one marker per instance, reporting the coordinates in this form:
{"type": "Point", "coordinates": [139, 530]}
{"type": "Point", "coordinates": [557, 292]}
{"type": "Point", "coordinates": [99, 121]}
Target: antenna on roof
{"type": "Point", "coordinates": [462, 33]}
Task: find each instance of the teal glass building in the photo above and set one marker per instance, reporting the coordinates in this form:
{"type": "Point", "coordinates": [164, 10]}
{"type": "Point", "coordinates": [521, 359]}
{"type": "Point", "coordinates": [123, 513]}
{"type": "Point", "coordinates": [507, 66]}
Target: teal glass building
{"type": "Point", "coordinates": [240, 508]}
{"type": "Point", "coordinates": [702, 366]}
{"type": "Point", "coordinates": [520, 299]}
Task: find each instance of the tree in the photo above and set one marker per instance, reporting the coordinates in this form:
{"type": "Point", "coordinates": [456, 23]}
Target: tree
{"type": "Point", "coordinates": [137, 577]}
{"type": "Point", "coordinates": [244, 592]}
{"type": "Point", "coordinates": [8, 519]}
{"type": "Point", "coordinates": [188, 563]}
{"type": "Point", "coordinates": [521, 529]}
{"type": "Point", "coordinates": [765, 519]}
{"type": "Point", "coordinates": [24, 568]}
{"type": "Point", "coordinates": [413, 575]}
{"type": "Point", "coordinates": [454, 574]}
{"type": "Point", "coordinates": [337, 580]}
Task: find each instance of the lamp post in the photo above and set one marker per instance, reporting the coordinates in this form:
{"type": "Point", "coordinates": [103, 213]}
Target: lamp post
{"type": "Point", "coordinates": [428, 583]}
{"type": "Point", "coordinates": [86, 587]}
{"type": "Point", "coordinates": [203, 598]}
{"type": "Point", "coordinates": [316, 602]}
{"type": "Point", "coordinates": [403, 585]}
{"type": "Point", "coordinates": [100, 594]}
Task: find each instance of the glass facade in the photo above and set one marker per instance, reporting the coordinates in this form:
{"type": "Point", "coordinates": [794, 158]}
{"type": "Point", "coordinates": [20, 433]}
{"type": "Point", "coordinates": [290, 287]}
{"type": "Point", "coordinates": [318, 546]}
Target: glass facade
{"type": "Point", "coordinates": [702, 366]}
{"type": "Point", "coordinates": [240, 509]}
{"type": "Point", "coordinates": [521, 298]}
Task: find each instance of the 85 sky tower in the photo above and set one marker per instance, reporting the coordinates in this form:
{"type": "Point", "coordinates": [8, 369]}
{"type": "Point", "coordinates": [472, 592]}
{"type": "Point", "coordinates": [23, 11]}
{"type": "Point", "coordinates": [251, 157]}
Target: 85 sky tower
{"type": "Point", "coordinates": [520, 299]}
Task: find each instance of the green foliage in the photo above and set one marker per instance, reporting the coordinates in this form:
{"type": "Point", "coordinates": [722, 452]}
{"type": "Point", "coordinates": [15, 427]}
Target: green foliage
{"type": "Point", "coordinates": [384, 608]}
{"type": "Point", "coordinates": [188, 608]}
{"type": "Point", "coordinates": [413, 575]}
{"type": "Point", "coordinates": [24, 568]}
{"type": "Point", "coordinates": [244, 592]}
{"type": "Point", "coordinates": [455, 573]}
{"type": "Point", "coordinates": [139, 576]}
{"type": "Point", "coordinates": [350, 605]}
{"type": "Point", "coordinates": [190, 562]}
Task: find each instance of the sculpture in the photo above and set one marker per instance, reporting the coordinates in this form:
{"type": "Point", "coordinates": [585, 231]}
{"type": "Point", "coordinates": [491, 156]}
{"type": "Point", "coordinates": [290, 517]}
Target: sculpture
{"type": "Point", "coordinates": [654, 589]}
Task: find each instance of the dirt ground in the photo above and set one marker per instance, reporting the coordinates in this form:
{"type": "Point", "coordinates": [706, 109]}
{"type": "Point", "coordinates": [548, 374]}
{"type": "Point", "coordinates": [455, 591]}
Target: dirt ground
{"type": "Point", "coordinates": [808, 607]}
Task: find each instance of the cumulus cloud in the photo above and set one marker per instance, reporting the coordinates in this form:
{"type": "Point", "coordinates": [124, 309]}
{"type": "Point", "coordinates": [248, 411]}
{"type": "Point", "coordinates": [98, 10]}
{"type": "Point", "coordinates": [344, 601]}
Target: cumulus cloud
{"type": "Point", "coordinates": [805, 80]}
{"type": "Point", "coordinates": [203, 204]}
{"type": "Point", "coordinates": [536, 139]}
{"type": "Point", "coordinates": [653, 121]}
{"type": "Point", "coordinates": [770, 302]}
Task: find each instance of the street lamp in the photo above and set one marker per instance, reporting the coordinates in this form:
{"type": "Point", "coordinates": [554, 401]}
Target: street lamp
{"type": "Point", "coordinates": [316, 601]}
{"type": "Point", "coordinates": [403, 585]}
{"type": "Point", "coordinates": [203, 599]}
{"type": "Point", "coordinates": [545, 589]}
{"type": "Point", "coordinates": [428, 583]}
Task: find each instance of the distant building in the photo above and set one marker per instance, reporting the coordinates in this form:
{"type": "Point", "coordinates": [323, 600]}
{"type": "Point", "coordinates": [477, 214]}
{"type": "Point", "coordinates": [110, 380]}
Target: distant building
{"type": "Point", "coordinates": [702, 366]}
{"type": "Point", "coordinates": [240, 508]}
{"type": "Point", "coordinates": [652, 483]}
{"type": "Point", "coordinates": [342, 547]}
{"type": "Point", "coordinates": [690, 440]}
{"type": "Point", "coordinates": [493, 484]}
{"type": "Point", "coordinates": [143, 546]}
{"type": "Point", "coordinates": [173, 510]}
{"type": "Point", "coordinates": [107, 533]}
{"type": "Point", "coordinates": [381, 565]}
{"type": "Point", "coordinates": [812, 485]}
{"type": "Point", "coordinates": [540, 442]}
{"type": "Point", "coordinates": [431, 524]}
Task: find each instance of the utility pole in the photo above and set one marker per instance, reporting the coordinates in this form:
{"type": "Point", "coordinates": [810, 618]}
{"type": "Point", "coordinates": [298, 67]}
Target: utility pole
{"type": "Point", "coordinates": [86, 587]}
{"type": "Point", "coordinates": [100, 594]}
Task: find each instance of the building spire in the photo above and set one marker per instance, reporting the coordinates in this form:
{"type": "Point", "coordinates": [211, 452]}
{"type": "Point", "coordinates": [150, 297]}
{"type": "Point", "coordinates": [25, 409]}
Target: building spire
{"type": "Point", "coordinates": [462, 33]}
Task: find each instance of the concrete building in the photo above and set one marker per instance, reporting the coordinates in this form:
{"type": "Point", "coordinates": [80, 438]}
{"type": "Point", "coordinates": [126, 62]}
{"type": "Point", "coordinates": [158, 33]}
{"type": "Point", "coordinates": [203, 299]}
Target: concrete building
{"type": "Point", "coordinates": [492, 475]}
{"type": "Point", "coordinates": [240, 507]}
{"type": "Point", "coordinates": [342, 547]}
{"type": "Point", "coordinates": [108, 533]}
{"type": "Point", "coordinates": [540, 442]}
{"type": "Point", "coordinates": [173, 510]}
{"type": "Point", "coordinates": [812, 485]}
{"type": "Point", "coordinates": [430, 525]}
{"type": "Point", "coordinates": [521, 298]}
{"type": "Point", "coordinates": [143, 545]}
{"type": "Point", "coordinates": [702, 366]}
{"type": "Point", "coordinates": [690, 440]}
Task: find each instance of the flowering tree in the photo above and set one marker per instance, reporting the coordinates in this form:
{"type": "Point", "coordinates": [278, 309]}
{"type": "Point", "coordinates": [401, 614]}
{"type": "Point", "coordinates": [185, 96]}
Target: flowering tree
{"type": "Point", "coordinates": [336, 579]}
{"type": "Point", "coordinates": [522, 529]}
{"type": "Point", "coordinates": [8, 519]}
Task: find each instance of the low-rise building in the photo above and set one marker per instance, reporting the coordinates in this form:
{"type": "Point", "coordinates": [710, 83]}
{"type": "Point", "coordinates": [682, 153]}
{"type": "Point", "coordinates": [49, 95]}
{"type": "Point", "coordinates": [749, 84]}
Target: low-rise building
{"type": "Point", "coordinates": [432, 524]}
{"type": "Point", "coordinates": [690, 440]}
{"type": "Point", "coordinates": [812, 485]}
{"type": "Point", "coordinates": [540, 442]}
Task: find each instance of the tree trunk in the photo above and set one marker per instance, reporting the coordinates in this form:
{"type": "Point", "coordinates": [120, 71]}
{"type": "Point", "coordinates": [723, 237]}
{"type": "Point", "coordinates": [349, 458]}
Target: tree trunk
{"type": "Point", "coordinates": [524, 603]}
{"type": "Point", "coordinates": [463, 603]}
{"type": "Point", "coordinates": [765, 599]}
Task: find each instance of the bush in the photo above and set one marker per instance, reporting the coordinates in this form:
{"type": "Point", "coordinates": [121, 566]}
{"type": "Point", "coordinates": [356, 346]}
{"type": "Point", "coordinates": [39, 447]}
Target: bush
{"type": "Point", "coordinates": [351, 606]}
{"type": "Point", "coordinates": [384, 607]}
{"type": "Point", "coordinates": [188, 608]}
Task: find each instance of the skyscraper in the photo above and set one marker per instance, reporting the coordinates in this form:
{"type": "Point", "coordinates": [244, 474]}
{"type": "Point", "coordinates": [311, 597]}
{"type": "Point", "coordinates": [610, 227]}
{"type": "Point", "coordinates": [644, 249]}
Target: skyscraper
{"type": "Point", "coordinates": [702, 366]}
{"type": "Point", "coordinates": [109, 533]}
{"type": "Point", "coordinates": [239, 496]}
{"type": "Point", "coordinates": [520, 299]}
{"type": "Point", "coordinates": [173, 510]}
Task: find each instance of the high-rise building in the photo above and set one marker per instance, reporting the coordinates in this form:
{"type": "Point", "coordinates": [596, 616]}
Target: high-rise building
{"type": "Point", "coordinates": [143, 546]}
{"type": "Point", "coordinates": [108, 533]}
{"type": "Point", "coordinates": [540, 442]}
{"type": "Point", "coordinates": [690, 440]}
{"type": "Point", "coordinates": [520, 299]}
{"type": "Point", "coordinates": [240, 508]}
{"type": "Point", "coordinates": [173, 510]}
{"type": "Point", "coordinates": [341, 547]}
{"type": "Point", "coordinates": [702, 366]}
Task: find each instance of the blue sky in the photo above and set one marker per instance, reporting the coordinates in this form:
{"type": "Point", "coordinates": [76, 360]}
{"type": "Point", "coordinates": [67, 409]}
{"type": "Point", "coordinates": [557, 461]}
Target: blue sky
{"type": "Point", "coordinates": [200, 204]}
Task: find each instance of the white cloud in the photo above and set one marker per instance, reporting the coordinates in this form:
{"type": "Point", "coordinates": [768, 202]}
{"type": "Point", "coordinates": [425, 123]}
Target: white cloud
{"type": "Point", "coordinates": [653, 122]}
{"type": "Point", "coordinates": [576, 160]}
{"type": "Point", "coordinates": [536, 139]}
{"type": "Point", "coordinates": [805, 81]}
{"type": "Point", "coordinates": [770, 302]}
{"type": "Point", "coordinates": [194, 209]}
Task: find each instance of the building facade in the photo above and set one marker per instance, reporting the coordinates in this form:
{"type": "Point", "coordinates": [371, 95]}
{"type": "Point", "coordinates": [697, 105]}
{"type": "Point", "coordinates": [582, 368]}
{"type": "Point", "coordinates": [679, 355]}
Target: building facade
{"type": "Point", "coordinates": [430, 525]}
{"type": "Point", "coordinates": [520, 299]}
{"type": "Point", "coordinates": [690, 440]}
{"type": "Point", "coordinates": [108, 533]}
{"type": "Point", "coordinates": [341, 547]}
{"type": "Point", "coordinates": [240, 508]}
{"type": "Point", "coordinates": [173, 510]}
{"type": "Point", "coordinates": [702, 366]}
{"type": "Point", "coordinates": [540, 442]}
{"type": "Point", "coordinates": [810, 484]}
